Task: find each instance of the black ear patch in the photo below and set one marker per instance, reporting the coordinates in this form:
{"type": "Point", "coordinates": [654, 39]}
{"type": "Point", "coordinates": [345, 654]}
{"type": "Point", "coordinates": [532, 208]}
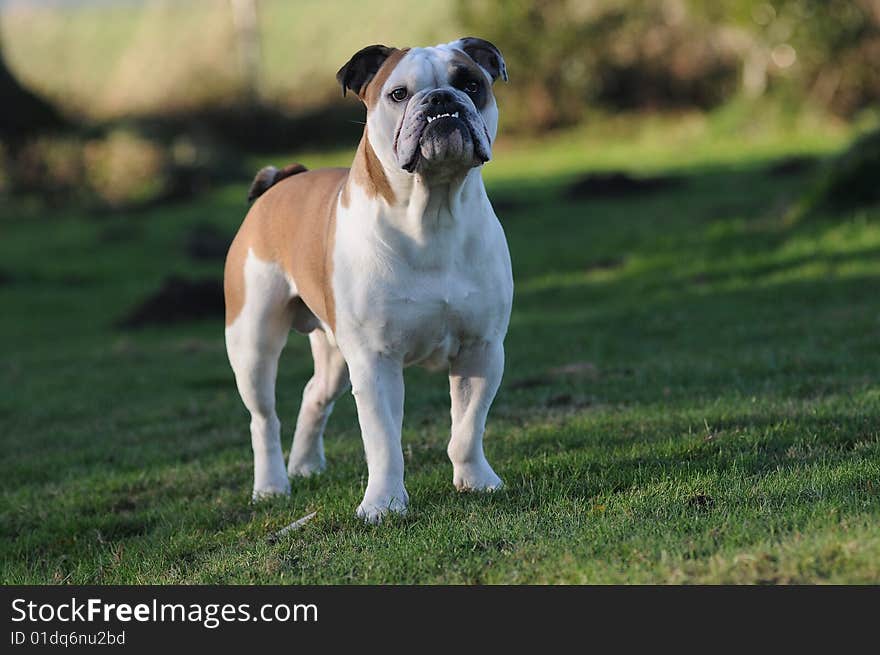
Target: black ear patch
{"type": "Point", "coordinates": [486, 55]}
{"type": "Point", "coordinates": [361, 68]}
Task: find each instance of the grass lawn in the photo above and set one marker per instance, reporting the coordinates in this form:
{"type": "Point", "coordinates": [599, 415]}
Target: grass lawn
{"type": "Point", "coordinates": [691, 395]}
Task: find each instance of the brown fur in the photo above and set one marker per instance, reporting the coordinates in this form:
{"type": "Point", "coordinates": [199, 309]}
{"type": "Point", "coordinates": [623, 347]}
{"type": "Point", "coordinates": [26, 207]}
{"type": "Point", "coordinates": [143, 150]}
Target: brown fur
{"type": "Point", "coordinates": [293, 224]}
{"type": "Point", "coordinates": [367, 172]}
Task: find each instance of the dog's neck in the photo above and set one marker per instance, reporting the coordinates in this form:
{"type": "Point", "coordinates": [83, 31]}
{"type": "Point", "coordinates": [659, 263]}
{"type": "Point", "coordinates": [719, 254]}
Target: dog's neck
{"type": "Point", "coordinates": [417, 204]}
{"type": "Point", "coordinates": [431, 204]}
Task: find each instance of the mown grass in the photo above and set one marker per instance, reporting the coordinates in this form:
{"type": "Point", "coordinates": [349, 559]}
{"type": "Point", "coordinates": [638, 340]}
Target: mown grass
{"type": "Point", "coordinates": [690, 396]}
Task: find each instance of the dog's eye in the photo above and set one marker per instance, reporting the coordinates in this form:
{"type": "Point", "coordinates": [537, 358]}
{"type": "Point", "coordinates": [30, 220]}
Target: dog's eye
{"type": "Point", "coordinates": [471, 87]}
{"type": "Point", "coordinates": [399, 94]}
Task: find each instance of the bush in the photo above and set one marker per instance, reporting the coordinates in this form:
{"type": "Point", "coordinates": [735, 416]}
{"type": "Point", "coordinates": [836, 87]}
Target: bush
{"type": "Point", "coordinates": [50, 165]}
{"type": "Point", "coordinates": [822, 52]}
{"type": "Point", "coordinates": [122, 168]}
{"type": "Point", "coordinates": [565, 55]}
{"type": "Point", "coordinates": [125, 168]}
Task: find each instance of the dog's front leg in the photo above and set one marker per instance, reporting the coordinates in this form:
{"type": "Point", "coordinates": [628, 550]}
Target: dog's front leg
{"type": "Point", "coordinates": [474, 377]}
{"type": "Point", "coordinates": [377, 385]}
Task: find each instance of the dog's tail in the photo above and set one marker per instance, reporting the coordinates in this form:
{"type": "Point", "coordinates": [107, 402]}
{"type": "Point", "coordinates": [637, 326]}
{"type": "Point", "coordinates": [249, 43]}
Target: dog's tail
{"type": "Point", "coordinates": [270, 176]}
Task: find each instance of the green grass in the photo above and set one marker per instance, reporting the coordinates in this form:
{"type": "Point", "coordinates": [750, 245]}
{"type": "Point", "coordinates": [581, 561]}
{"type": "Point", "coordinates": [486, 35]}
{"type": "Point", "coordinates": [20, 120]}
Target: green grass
{"type": "Point", "coordinates": [721, 422]}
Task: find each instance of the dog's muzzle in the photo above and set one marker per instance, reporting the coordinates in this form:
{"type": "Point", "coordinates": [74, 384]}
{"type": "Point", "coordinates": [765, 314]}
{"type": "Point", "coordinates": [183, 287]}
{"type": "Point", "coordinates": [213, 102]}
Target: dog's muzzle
{"type": "Point", "coordinates": [441, 130]}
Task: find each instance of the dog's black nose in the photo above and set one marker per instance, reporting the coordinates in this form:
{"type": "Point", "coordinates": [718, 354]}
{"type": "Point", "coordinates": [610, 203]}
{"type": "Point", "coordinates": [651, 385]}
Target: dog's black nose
{"type": "Point", "coordinates": [440, 101]}
{"type": "Point", "coordinates": [439, 97]}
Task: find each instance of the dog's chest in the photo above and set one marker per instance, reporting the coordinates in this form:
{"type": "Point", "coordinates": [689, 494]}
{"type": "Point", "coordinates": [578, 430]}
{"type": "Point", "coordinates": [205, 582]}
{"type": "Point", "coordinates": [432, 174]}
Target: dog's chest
{"type": "Point", "coordinates": [422, 303]}
{"type": "Point", "coordinates": [429, 314]}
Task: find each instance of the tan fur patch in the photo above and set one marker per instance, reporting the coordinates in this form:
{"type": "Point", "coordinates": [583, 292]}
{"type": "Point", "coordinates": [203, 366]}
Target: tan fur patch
{"type": "Point", "coordinates": [368, 173]}
{"type": "Point", "coordinates": [293, 224]}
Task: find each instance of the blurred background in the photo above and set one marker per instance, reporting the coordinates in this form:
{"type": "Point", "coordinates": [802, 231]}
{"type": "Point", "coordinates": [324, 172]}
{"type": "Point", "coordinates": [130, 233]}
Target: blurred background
{"type": "Point", "coordinates": [131, 101]}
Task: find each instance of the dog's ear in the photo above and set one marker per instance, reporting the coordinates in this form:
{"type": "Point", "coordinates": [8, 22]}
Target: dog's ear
{"type": "Point", "coordinates": [361, 68]}
{"type": "Point", "coordinates": [485, 54]}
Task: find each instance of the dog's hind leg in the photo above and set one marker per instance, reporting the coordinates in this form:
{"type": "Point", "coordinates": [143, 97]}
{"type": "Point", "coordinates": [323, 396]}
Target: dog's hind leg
{"type": "Point", "coordinates": [254, 342]}
{"type": "Point", "coordinates": [328, 383]}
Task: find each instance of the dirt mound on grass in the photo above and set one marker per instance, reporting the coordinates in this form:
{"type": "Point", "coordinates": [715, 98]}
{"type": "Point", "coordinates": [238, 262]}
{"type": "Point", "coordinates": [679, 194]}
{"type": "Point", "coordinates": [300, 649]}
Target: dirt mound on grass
{"type": "Point", "coordinates": [846, 182]}
{"type": "Point", "coordinates": [853, 179]}
{"type": "Point", "coordinates": [178, 300]}
{"type": "Point", "coordinates": [794, 165]}
{"type": "Point", "coordinates": [207, 242]}
{"type": "Point", "coordinates": [616, 184]}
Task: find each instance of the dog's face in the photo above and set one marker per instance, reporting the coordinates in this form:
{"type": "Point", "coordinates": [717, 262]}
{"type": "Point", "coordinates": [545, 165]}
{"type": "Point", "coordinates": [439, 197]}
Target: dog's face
{"type": "Point", "coordinates": [430, 111]}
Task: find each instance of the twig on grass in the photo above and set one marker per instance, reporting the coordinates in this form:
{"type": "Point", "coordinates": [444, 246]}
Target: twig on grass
{"type": "Point", "coordinates": [296, 525]}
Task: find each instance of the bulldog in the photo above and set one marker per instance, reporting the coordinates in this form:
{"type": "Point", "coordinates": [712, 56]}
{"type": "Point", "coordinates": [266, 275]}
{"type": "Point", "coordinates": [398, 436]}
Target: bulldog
{"type": "Point", "coordinates": [398, 260]}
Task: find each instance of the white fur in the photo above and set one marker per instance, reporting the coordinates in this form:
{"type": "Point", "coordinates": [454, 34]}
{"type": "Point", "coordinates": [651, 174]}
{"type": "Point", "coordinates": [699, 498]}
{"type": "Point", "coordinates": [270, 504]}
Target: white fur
{"type": "Point", "coordinates": [254, 342]}
{"type": "Point", "coordinates": [422, 285]}
{"type": "Point", "coordinates": [427, 281]}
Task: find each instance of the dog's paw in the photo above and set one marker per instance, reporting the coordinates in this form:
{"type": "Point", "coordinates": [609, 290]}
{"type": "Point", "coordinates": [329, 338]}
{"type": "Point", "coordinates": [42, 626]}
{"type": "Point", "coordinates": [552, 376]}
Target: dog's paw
{"type": "Point", "coordinates": [271, 480]}
{"type": "Point", "coordinates": [270, 490]}
{"type": "Point", "coordinates": [476, 477]}
{"type": "Point", "coordinates": [305, 468]}
{"type": "Point", "coordinates": [375, 507]}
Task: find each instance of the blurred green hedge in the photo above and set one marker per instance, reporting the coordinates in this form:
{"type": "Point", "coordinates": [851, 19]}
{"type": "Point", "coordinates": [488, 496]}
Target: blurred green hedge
{"type": "Point", "coordinates": [568, 55]}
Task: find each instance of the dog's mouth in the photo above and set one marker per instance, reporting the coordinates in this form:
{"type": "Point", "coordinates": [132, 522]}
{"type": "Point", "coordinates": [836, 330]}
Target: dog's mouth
{"type": "Point", "coordinates": [431, 119]}
{"type": "Point", "coordinates": [445, 139]}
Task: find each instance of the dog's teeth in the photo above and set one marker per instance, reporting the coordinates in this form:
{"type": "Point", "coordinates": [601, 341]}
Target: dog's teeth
{"type": "Point", "coordinates": [431, 119]}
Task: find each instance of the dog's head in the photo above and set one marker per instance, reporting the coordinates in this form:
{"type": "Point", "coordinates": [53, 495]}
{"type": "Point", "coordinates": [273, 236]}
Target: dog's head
{"type": "Point", "coordinates": [430, 111]}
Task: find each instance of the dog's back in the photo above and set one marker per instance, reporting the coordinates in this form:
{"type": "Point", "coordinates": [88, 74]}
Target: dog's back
{"type": "Point", "coordinates": [290, 224]}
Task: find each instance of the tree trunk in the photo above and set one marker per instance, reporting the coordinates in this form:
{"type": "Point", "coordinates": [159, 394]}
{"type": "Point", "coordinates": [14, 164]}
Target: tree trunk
{"type": "Point", "coordinates": [247, 29]}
